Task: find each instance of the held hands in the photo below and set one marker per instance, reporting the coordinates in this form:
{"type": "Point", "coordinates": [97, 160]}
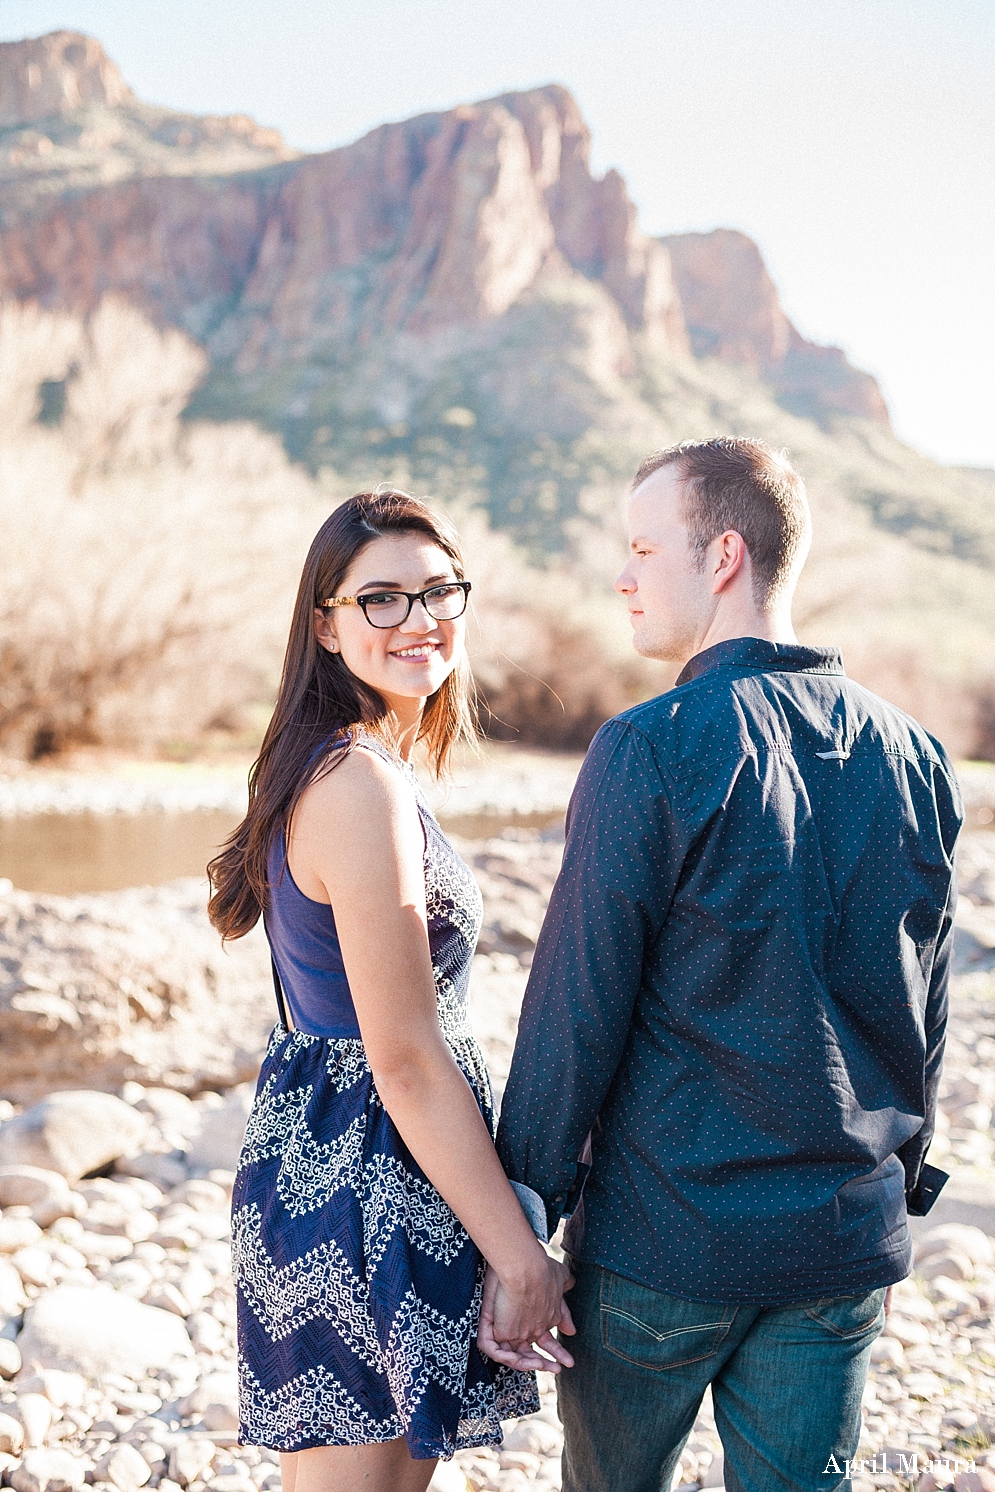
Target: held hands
{"type": "Point", "coordinates": [518, 1317]}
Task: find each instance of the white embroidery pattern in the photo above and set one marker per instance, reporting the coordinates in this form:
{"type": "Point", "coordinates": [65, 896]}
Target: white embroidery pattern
{"type": "Point", "coordinates": [321, 1285]}
{"type": "Point", "coordinates": [316, 1400]}
{"type": "Point", "coordinates": [273, 1123]}
{"type": "Point", "coordinates": [479, 1423]}
{"type": "Point", "coordinates": [425, 1345]}
{"type": "Point", "coordinates": [346, 1063]}
{"type": "Point", "coordinates": [452, 895]}
{"type": "Point", "coordinates": [393, 1199]}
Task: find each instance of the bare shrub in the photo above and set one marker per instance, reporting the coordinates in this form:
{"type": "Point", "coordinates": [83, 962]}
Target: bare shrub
{"type": "Point", "coordinates": [129, 387]}
{"type": "Point", "coordinates": [148, 568]}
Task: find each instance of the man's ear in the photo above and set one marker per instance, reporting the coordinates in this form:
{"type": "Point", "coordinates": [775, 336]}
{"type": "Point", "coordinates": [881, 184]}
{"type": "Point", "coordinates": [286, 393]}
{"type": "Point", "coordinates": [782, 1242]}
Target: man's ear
{"type": "Point", "coordinates": [729, 559]}
{"type": "Point", "coordinates": [324, 631]}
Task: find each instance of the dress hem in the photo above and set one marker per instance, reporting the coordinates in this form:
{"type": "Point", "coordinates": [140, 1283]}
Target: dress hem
{"type": "Point", "coordinates": [417, 1453]}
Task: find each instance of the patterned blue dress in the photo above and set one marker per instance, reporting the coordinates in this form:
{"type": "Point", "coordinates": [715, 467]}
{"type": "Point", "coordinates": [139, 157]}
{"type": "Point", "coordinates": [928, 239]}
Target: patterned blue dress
{"type": "Point", "coordinates": [358, 1288]}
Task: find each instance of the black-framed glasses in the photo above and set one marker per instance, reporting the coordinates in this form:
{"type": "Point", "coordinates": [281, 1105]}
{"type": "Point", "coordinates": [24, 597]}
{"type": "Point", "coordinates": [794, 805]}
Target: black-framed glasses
{"type": "Point", "coordinates": [444, 603]}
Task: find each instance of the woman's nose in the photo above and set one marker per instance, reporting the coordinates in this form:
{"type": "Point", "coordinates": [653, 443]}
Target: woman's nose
{"type": "Point", "coordinates": [418, 619]}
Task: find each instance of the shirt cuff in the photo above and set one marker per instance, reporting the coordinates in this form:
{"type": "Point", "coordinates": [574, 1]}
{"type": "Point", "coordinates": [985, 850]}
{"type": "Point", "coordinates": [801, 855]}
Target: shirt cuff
{"type": "Point", "coordinates": [930, 1183]}
{"type": "Point", "coordinates": [534, 1208]}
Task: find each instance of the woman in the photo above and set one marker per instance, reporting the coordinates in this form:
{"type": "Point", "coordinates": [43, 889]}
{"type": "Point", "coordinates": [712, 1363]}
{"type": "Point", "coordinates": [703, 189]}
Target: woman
{"type": "Point", "coordinates": [368, 1186]}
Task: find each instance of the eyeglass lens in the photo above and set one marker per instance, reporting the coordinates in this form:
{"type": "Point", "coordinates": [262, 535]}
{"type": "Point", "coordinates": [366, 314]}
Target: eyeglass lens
{"type": "Point", "coordinates": [444, 603]}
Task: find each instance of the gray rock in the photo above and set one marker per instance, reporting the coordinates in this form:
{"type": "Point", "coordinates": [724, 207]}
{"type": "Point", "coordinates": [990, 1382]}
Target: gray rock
{"type": "Point", "coordinates": [104, 1248]}
{"type": "Point", "coordinates": [218, 1417]}
{"type": "Point", "coordinates": [11, 1434]}
{"type": "Point", "coordinates": [124, 1467]}
{"type": "Point", "coordinates": [968, 1197]}
{"type": "Point", "coordinates": [17, 1233]}
{"type": "Point", "coordinates": [102, 989]}
{"type": "Point", "coordinates": [534, 1435]}
{"type": "Point", "coordinates": [72, 1132]}
{"type": "Point", "coordinates": [202, 1196]}
{"type": "Point", "coordinates": [12, 1296]}
{"type": "Point", "coordinates": [173, 1113]}
{"type": "Point", "coordinates": [190, 1458]}
{"type": "Point", "coordinates": [35, 1412]}
{"type": "Point", "coordinates": [164, 1169]}
{"type": "Point", "coordinates": [47, 1193]}
{"type": "Point", "coordinates": [48, 1471]}
{"type": "Point", "coordinates": [220, 1139]}
{"type": "Point", "coordinates": [100, 1331]}
{"type": "Point", "coordinates": [64, 1390]}
{"type": "Point", "coordinates": [715, 1475]}
{"type": "Point", "coordinates": [218, 1389]}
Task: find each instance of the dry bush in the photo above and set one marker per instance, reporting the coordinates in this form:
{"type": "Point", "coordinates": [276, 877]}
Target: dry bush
{"type": "Point", "coordinates": [148, 567]}
{"type": "Point", "coordinates": [147, 570]}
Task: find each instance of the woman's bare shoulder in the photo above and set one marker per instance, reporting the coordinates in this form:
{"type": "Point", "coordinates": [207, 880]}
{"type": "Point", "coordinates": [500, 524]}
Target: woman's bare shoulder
{"type": "Point", "coordinates": [361, 785]}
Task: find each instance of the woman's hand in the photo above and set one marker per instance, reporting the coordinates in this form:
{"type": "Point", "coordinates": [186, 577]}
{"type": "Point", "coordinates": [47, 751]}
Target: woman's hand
{"type": "Point", "coordinates": [518, 1316]}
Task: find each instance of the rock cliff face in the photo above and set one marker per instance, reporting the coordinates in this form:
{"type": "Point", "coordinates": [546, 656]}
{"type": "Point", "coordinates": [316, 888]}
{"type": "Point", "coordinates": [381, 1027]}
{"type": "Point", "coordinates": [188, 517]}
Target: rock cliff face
{"type": "Point", "coordinates": [395, 245]}
{"type": "Point", "coordinates": [69, 122]}
{"type": "Point", "coordinates": [454, 300]}
{"type": "Point", "coordinates": [733, 313]}
{"type": "Point", "coordinates": [55, 74]}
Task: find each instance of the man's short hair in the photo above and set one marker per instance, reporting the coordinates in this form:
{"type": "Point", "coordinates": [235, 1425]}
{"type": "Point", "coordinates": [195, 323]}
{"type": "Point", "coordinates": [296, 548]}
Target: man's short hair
{"type": "Point", "coordinates": [745, 485]}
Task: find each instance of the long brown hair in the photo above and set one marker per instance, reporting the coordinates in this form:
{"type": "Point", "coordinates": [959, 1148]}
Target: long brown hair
{"type": "Point", "coordinates": [320, 698]}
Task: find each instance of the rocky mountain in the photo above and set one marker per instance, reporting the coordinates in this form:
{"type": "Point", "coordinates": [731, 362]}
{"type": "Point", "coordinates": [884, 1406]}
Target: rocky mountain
{"type": "Point", "coordinates": [332, 289]}
{"type": "Point", "coordinates": [69, 121]}
{"type": "Point", "coordinates": [455, 302]}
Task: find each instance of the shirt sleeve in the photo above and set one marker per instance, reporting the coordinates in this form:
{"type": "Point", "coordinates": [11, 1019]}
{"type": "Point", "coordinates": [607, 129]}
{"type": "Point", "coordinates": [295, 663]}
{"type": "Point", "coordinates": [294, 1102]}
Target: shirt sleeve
{"type": "Point", "coordinates": [922, 1182]}
{"type": "Point", "coordinates": [620, 868]}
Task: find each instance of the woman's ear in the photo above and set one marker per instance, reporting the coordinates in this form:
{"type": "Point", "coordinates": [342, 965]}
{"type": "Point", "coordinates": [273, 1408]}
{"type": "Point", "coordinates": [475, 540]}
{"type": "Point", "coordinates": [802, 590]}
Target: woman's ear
{"type": "Point", "coordinates": [324, 631]}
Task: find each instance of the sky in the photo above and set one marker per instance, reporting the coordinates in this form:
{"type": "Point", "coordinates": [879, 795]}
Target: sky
{"type": "Point", "coordinates": [853, 139]}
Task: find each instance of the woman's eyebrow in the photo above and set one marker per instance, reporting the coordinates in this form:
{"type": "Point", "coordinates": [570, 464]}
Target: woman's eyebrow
{"type": "Point", "coordinates": [395, 585]}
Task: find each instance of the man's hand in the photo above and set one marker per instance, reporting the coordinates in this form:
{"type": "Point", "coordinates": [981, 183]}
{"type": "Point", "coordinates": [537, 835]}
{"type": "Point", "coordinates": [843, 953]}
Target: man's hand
{"type": "Point", "coordinates": [508, 1331]}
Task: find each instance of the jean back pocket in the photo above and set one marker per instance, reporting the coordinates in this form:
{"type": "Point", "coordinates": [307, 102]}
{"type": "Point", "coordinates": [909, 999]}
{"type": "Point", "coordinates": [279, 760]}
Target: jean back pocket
{"type": "Point", "coordinates": [658, 1331]}
{"type": "Point", "coordinates": [848, 1315]}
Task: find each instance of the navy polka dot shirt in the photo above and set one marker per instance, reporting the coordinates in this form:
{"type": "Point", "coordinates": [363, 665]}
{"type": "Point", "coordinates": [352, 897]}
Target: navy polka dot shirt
{"type": "Point", "coordinates": [740, 987]}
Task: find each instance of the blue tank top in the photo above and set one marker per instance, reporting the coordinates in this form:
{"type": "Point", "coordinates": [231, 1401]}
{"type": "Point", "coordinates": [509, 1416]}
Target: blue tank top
{"type": "Point", "coordinates": [305, 944]}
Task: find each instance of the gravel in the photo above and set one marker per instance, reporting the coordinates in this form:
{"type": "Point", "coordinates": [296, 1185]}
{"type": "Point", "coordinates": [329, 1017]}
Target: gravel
{"type": "Point", "coordinates": [158, 1243]}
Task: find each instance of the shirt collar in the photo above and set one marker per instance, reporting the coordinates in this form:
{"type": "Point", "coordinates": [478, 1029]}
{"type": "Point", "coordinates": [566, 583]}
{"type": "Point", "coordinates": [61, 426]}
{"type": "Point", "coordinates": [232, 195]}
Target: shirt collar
{"type": "Point", "coordinates": [755, 654]}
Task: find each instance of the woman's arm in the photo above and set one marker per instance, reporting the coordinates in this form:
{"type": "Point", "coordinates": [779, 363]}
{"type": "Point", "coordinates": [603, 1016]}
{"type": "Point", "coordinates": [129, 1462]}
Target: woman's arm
{"type": "Point", "coordinates": [357, 842]}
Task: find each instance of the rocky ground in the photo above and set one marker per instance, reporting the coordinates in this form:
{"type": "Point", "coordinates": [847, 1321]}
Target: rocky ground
{"type": "Point", "coordinates": [116, 1307]}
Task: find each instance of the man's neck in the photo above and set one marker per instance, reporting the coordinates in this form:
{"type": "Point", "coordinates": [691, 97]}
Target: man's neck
{"type": "Point", "coordinates": [731, 623]}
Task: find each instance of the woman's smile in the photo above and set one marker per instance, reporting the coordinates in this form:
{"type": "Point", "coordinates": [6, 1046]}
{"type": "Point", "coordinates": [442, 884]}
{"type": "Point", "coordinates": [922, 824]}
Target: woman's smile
{"type": "Point", "coordinates": [416, 652]}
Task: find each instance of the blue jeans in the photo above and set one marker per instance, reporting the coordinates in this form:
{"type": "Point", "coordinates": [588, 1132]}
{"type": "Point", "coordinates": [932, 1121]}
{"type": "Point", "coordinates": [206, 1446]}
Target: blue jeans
{"type": "Point", "coordinates": [786, 1384]}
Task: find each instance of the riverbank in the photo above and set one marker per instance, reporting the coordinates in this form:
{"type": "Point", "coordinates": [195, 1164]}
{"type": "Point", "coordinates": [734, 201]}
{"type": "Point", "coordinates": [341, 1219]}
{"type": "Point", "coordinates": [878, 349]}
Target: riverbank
{"type": "Point", "coordinates": [129, 992]}
{"type": "Point", "coordinates": [501, 782]}
{"type": "Point", "coordinates": [91, 1267]}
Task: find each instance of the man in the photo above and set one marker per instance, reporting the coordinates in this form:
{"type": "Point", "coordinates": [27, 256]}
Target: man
{"type": "Point", "coordinates": [739, 994]}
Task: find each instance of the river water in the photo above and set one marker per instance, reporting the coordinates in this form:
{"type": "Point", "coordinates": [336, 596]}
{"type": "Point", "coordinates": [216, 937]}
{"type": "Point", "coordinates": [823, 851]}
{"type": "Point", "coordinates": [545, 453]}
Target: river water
{"type": "Point", "coordinates": [68, 853]}
{"type": "Point", "coordinates": [146, 831]}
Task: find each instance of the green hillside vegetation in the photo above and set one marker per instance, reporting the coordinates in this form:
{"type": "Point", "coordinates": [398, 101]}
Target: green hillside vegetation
{"type": "Point", "coordinates": [95, 145]}
{"type": "Point", "coordinates": [524, 421]}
